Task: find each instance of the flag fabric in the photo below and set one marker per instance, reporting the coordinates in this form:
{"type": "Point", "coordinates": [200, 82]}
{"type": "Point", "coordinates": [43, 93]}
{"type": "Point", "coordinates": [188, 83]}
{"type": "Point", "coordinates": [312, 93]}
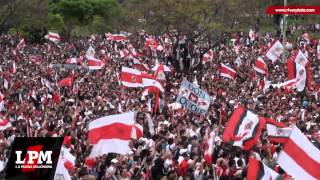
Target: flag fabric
{"type": "Point", "coordinates": [21, 44]}
{"type": "Point", "coordinates": [278, 134]}
{"type": "Point", "coordinates": [258, 170]}
{"type": "Point", "coordinates": [160, 72]}
{"type": "Point", "coordinates": [139, 65]}
{"type": "Point", "coordinates": [260, 66]}
{"type": "Point", "coordinates": [147, 82]}
{"type": "Point", "coordinates": [227, 72]}
{"type": "Point", "coordinates": [300, 58]}
{"type": "Point", "coordinates": [210, 147]}
{"type": "Point", "coordinates": [90, 53]}
{"type": "Point", "coordinates": [208, 56]}
{"type": "Point", "coordinates": [243, 128]}
{"type": "Point", "coordinates": [66, 82]}
{"type": "Point", "coordinates": [74, 60]}
{"type": "Point", "coordinates": [318, 50]}
{"type": "Point", "coordinates": [137, 131]}
{"type": "Point", "coordinates": [95, 64]}
{"type": "Point", "coordinates": [61, 171]}
{"type": "Point", "coordinates": [275, 51]}
{"type": "Point", "coordinates": [299, 157]}
{"type": "Point", "coordinates": [151, 42]}
{"type": "Point", "coordinates": [131, 77]}
{"type": "Point", "coordinates": [54, 37]}
{"type": "Point", "coordinates": [13, 68]}
{"type": "Point", "coordinates": [116, 37]}
{"type": "Point", "coordinates": [4, 124]}
{"type": "Point", "coordinates": [111, 134]}
{"type": "Point", "coordinates": [124, 53]}
{"type": "Point", "coordinates": [67, 158]}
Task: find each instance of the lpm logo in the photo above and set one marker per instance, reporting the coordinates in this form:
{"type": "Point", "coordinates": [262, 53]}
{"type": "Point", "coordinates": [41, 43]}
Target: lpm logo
{"type": "Point", "coordinates": [33, 158]}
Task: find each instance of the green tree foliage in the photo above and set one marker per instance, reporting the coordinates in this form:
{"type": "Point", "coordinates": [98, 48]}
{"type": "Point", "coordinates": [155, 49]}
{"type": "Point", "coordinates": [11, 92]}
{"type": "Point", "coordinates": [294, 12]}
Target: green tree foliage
{"type": "Point", "coordinates": [90, 13]}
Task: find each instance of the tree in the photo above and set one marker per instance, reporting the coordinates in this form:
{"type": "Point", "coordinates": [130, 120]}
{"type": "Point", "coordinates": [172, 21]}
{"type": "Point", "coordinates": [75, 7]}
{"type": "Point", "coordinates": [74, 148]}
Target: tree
{"type": "Point", "coordinates": [85, 12]}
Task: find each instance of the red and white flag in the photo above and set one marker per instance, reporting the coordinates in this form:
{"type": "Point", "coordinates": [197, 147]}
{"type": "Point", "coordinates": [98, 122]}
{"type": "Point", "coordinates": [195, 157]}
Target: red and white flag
{"type": "Point", "coordinates": [260, 66]}
{"type": "Point", "coordinates": [111, 134]}
{"type": "Point", "coordinates": [275, 51]}
{"type": "Point", "coordinates": [4, 124]}
{"type": "Point", "coordinates": [139, 65]}
{"type": "Point", "coordinates": [299, 157]}
{"type": "Point", "coordinates": [243, 128]}
{"type": "Point", "coordinates": [21, 44]}
{"type": "Point", "coordinates": [137, 131]}
{"type": "Point", "coordinates": [95, 64]}
{"type": "Point", "coordinates": [147, 83]}
{"type": "Point", "coordinates": [124, 53]}
{"type": "Point", "coordinates": [210, 147]}
{"type": "Point", "coordinates": [227, 72]}
{"type": "Point", "coordinates": [301, 59]}
{"type": "Point", "coordinates": [54, 37]}
{"type": "Point", "coordinates": [13, 68]}
{"type": "Point", "coordinates": [207, 56]}
{"type": "Point", "coordinates": [258, 170]}
{"type": "Point", "coordinates": [116, 37]}
{"type": "Point", "coordinates": [278, 134]}
{"type": "Point", "coordinates": [67, 159]}
{"type": "Point", "coordinates": [130, 77]}
{"type": "Point", "coordinates": [74, 60]}
{"type": "Point", "coordinates": [151, 42]}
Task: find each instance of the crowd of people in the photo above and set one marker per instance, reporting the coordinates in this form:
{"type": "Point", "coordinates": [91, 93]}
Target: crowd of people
{"type": "Point", "coordinates": [173, 147]}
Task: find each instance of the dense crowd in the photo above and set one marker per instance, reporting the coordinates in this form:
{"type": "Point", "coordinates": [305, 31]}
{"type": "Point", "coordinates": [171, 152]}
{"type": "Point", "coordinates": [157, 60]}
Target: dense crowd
{"type": "Point", "coordinates": [175, 147]}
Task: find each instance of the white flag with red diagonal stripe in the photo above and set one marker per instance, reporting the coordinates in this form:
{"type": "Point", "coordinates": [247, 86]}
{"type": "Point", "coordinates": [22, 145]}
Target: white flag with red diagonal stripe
{"type": "Point", "coordinates": [227, 72]}
{"type": "Point", "coordinates": [147, 82]}
{"type": "Point", "coordinates": [95, 64]}
{"type": "Point", "coordinates": [21, 44]}
{"type": "Point", "coordinates": [111, 134]}
{"type": "Point", "coordinates": [54, 37]}
{"type": "Point", "coordinates": [260, 66]}
{"type": "Point", "coordinates": [299, 157]}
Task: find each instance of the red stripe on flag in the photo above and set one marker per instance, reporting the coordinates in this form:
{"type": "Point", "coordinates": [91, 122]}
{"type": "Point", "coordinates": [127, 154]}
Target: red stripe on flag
{"type": "Point", "coordinates": [129, 77]}
{"type": "Point", "coordinates": [113, 131]}
{"type": "Point", "coordinates": [302, 158]}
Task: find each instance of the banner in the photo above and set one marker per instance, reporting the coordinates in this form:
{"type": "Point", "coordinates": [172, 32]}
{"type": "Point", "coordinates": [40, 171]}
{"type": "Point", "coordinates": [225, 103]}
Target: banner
{"type": "Point", "coordinates": [193, 98]}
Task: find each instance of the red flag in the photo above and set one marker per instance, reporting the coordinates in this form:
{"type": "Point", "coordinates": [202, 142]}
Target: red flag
{"type": "Point", "coordinates": [66, 82]}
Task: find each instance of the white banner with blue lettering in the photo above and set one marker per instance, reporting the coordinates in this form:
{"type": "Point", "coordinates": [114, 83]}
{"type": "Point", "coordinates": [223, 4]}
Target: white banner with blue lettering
{"type": "Point", "coordinates": [193, 98]}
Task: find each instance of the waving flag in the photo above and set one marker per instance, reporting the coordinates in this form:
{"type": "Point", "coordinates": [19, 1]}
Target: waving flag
{"type": "Point", "coordinates": [260, 66]}
{"type": "Point", "coordinates": [301, 59]}
{"type": "Point", "coordinates": [66, 82]}
{"type": "Point", "coordinates": [67, 158]}
{"type": "Point", "coordinates": [124, 53]}
{"type": "Point", "coordinates": [95, 64]}
{"type": "Point", "coordinates": [130, 77]}
{"type": "Point", "coordinates": [137, 131]}
{"type": "Point", "coordinates": [111, 134]}
{"type": "Point", "coordinates": [243, 128]}
{"type": "Point", "coordinates": [21, 44]}
{"type": "Point", "coordinates": [257, 170]}
{"type": "Point", "coordinates": [278, 134]}
{"type": "Point", "coordinates": [146, 82]}
{"type": "Point", "coordinates": [299, 157]}
{"type": "Point", "coordinates": [307, 37]}
{"type": "Point", "coordinates": [207, 56]}
{"type": "Point", "coordinates": [4, 124]}
{"type": "Point", "coordinates": [275, 51]}
{"type": "Point", "coordinates": [227, 72]}
{"type": "Point", "coordinates": [139, 65]}
{"type": "Point", "coordinates": [54, 37]}
{"type": "Point", "coordinates": [210, 147]}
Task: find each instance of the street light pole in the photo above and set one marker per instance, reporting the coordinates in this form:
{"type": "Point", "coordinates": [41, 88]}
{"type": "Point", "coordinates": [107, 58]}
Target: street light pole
{"type": "Point", "coordinates": [284, 28]}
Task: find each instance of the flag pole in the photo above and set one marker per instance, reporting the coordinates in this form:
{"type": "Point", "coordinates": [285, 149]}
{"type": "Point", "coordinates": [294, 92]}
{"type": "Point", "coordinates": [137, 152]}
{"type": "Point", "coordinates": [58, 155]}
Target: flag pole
{"type": "Point", "coordinates": [284, 29]}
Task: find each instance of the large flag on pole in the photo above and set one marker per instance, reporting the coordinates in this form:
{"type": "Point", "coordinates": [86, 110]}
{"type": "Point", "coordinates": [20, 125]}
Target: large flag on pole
{"type": "Point", "coordinates": [111, 134]}
{"type": "Point", "coordinates": [299, 157]}
{"type": "Point", "coordinates": [260, 66]}
{"type": "Point", "coordinates": [243, 128]}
